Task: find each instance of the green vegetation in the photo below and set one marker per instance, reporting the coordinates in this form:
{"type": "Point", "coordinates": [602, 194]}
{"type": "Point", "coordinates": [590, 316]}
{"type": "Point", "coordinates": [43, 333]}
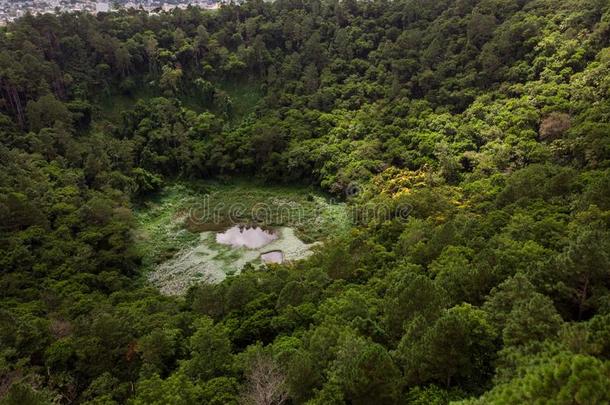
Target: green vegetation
{"type": "Point", "coordinates": [111, 106]}
{"type": "Point", "coordinates": [181, 221]}
{"type": "Point", "coordinates": [160, 228]}
{"type": "Point", "coordinates": [213, 205]}
{"type": "Point", "coordinates": [244, 95]}
{"type": "Point", "coordinates": [480, 128]}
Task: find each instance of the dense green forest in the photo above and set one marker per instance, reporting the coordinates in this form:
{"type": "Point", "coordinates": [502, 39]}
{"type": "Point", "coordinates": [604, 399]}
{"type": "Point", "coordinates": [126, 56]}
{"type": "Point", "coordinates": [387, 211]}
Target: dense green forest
{"type": "Point", "coordinates": [489, 119]}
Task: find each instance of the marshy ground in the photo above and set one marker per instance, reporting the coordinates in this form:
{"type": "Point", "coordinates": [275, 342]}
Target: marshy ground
{"type": "Point", "coordinates": [182, 230]}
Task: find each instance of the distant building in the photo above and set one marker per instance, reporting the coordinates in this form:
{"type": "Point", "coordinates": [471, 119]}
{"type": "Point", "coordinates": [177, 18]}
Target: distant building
{"type": "Point", "coordinates": [13, 9]}
{"type": "Point", "coordinates": [102, 7]}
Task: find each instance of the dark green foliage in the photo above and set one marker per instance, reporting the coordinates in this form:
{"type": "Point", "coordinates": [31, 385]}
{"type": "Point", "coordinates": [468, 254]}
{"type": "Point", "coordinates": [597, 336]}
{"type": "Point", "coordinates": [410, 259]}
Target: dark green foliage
{"type": "Point", "coordinates": [471, 140]}
{"type": "Point", "coordinates": [456, 346]}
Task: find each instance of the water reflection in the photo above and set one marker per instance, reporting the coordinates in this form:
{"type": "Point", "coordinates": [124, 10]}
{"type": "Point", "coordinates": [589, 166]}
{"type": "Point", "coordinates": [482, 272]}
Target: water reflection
{"type": "Point", "coordinates": [275, 256]}
{"type": "Point", "coordinates": [251, 238]}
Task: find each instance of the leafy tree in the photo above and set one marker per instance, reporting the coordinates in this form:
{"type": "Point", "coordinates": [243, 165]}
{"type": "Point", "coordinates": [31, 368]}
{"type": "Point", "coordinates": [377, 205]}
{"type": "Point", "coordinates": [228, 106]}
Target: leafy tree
{"type": "Point", "coordinates": [583, 265]}
{"type": "Point", "coordinates": [176, 389]}
{"type": "Point", "coordinates": [46, 112]}
{"type": "Point", "coordinates": [456, 347]}
{"type": "Point", "coordinates": [410, 295]}
{"type": "Point", "coordinates": [365, 372]}
{"type": "Point", "coordinates": [563, 379]}
{"type": "Point", "coordinates": [531, 321]}
{"type": "Point", "coordinates": [210, 350]}
{"type": "Point", "coordinates": [26, 395]}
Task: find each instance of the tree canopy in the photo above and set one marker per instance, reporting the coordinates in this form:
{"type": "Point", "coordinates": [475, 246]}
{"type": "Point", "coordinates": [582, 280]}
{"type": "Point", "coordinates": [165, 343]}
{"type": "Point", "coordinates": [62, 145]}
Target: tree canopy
{"type": "Point", "coordinates": [482, 125]}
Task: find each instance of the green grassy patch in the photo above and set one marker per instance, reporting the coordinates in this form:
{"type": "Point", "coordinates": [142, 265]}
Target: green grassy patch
{"type": "Point", "coordinates": [174, 218]}
{"type": "Point", "coordinates": [244, 94]}
{"type": "Point", "coordinates": [113, 104]}
{"type": "Point", "coordinates": [160, 232]}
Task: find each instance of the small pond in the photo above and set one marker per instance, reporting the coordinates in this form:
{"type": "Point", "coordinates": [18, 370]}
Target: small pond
{"type": "Point", "coordinates": [275, 256]}
{"type": "Point", "coordinates": [241, 236]}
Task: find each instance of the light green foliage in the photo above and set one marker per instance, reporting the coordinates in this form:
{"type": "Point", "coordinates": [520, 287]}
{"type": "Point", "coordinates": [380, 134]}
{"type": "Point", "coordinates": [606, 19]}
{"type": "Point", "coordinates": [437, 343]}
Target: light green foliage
{"type": "Point", "coordinates": [432, 395]}
{"type": "Point", "coordinates": [221, 391]}
{"type": "Point", "coordinates": [159, 233]}
{"type": "Point", "coordinates": [176, 389]}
